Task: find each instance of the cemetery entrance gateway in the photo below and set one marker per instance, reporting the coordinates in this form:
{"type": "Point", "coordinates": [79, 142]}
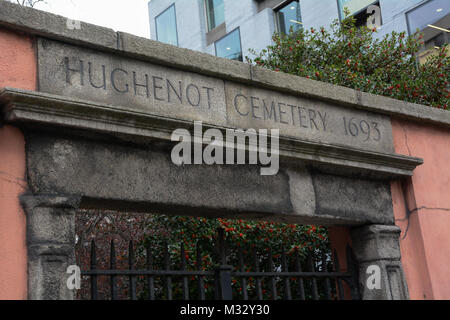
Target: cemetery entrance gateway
{"type": "Point", "coordinates": [98, 137]}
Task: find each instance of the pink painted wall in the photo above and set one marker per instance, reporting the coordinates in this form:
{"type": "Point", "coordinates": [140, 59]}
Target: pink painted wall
{"type": "Point", "coordinates": [425, 237]}
{"type": "Point", "coordinates": [17, 69]}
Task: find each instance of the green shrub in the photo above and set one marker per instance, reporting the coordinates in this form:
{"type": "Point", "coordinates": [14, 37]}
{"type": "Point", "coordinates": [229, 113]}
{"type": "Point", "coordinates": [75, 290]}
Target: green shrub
{"type": "Point", "coordinates": [352, 57]}
{"type": "Point", "coordinates": [249, 237]}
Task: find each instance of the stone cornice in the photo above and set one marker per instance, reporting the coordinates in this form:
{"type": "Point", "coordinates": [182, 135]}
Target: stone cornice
{"type": "Point", "coordinates": [28, 107]}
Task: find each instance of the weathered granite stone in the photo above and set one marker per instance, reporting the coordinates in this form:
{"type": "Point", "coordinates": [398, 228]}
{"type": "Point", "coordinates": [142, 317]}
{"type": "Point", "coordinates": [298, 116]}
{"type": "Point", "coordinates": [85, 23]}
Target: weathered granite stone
{"type": "Point", "coordinates": [75, 72]}
{"type": "Point", "coordinates": [38, 22]}
{"type": "Point", "coordinates": [307, 119]}
{"type": "Point", "coordinates": [140, 86]}
{"type": "Point", "coordinates": [143, 178]}
{"type": "Point", "coordinates": [378, 246]}
{"type": "Point", "coordinates": [50, 244]}
{"type": "Point", "coordinates": [343, 197]}
{"type": "Point", "coordinates": [55, 112]}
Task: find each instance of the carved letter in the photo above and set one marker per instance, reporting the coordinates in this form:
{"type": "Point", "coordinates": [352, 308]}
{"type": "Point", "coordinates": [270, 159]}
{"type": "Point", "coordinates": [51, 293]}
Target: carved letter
{"type": "Point", "coordinates": [312, 118]}
{"type": "Point", "coordinates": [282, 113]}
{"type": "Point", "coordinates": [104, 77]}
{"type": "Point", "coordinates": [155, 86]}
{"type": "Point", "coordinates": [254, 107]}
{"type": "Point", "coordinates": [301, 116]}
{"type": "Point", "coordinates": [188, 89]}
{"type": "Point", "coordinates": [178, 94]}
{"type": "Point", "coordinates": [113, 80]}
{"type": "Point", "coordinates": [208, 94]}
{"type": "Point", "coordinates": [324, 120]}
{"type": "Point", "coordinates": [292, 113]}
{"type": "Point", "coordinates": [136, 85]}
{"type": "Point", "coordinates": [268, 115]}
{"type": "Point", "coordinates": [68, 70]}
{"type": "Point", "coordinates": [236, 105]}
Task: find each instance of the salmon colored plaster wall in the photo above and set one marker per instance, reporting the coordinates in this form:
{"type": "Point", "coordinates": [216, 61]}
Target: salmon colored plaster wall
{"type": "Point", "coordinates": [422, 209]}
{"type": "Point", "coordinates": [17, 70]}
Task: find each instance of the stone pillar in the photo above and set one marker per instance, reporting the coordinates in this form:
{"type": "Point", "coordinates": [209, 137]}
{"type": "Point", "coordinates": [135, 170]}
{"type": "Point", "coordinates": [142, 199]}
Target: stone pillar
{"type": "Point", "coordinates": [51, 244]}
{"type": "Point", "coordinates": [377, 251]}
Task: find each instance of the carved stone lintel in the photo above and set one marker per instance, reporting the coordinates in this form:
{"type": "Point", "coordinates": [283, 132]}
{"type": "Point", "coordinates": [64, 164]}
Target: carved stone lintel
{"type": "Point", "coordinates": [51, 244]}
{"type": "Point", "coordinates": [377, 248]}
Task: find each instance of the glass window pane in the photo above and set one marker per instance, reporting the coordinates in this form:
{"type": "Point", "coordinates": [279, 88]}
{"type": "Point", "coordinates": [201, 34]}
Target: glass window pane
{"type": "Point", "coordinates": [290, 16]}
{"type": "Point", "coordinates": [353, 5]}
{"type": "Point", "coordinates": [166, 27]}
{"type": "Point", "coordinates": [428, 13]}
{"type": "Point", "coordinates": [230, 46]}
{"type": "Point", "coordinates": [215, 12]}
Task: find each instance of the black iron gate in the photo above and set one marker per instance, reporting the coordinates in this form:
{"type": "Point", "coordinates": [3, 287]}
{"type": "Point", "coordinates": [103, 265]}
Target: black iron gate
{"type": "Point", "coordinates": [317, 279]}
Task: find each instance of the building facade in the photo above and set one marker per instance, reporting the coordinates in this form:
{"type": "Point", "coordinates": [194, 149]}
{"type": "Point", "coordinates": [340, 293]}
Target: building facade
{"type": "Point", "coordinates": [229, 28]}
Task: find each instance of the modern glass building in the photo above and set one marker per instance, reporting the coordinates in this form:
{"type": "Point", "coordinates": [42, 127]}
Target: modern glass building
{"type": "Point", "coordinates": [229, 28]}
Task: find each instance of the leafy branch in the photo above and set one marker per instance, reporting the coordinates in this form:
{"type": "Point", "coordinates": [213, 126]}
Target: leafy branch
{"type": "Point", "coordinates": [29, 3]}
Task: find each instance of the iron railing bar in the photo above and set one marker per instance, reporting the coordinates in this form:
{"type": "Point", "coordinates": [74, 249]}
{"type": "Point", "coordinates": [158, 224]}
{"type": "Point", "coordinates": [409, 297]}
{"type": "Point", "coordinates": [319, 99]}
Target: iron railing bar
{"type": "Point", "coordinates": [200, 282]}
{"type": "Point", "coordinates": [183, 268]}
{"type": "Point", "coordinates": [174, 273]}
{"type": "Point", "coordinates": [243, 279]}
{"type": "Point", "coordinates": [219, 248]}
{"type": "Point", "coordinates": [281, 274]}
{"type": "Point", "coordinates": [113, 267]}
{"type": "Point", "coordinates": [287, 285]}
{"type": "Point", "coordinates": [327, 280]}
{"type": "Point", "coordinates": [273, 285]}
{"type": "Point", "coordinates": [257, 279]}
{"type": "Point", "coordinates": [223, 272]}
{"type": "Point", "coordinates": [315, 291]}
{"type": "Point", "coordinates": [132, 278]}
{"type": "Point", "coordinates": [93, 267]}
{"type": "Point", "coordinates": [298, 267]}
{"type": "Point", "coordinates": [167, 278]}
{"type": "Point", "coordinates": [150, 279]}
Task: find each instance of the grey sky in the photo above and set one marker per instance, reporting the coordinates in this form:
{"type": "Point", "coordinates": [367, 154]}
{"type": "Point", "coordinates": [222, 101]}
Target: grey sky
{"type": "Point", "coordinates": [121, 15]}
